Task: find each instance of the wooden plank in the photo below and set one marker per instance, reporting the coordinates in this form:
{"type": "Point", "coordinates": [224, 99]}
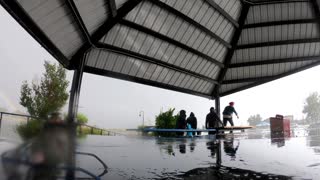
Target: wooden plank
{"type": "Point", "coordinates": [178, 130]}
{"type": "Point", "coordinates": [235, 127]}
{"type": "Point", "coordinates": [198, 130]}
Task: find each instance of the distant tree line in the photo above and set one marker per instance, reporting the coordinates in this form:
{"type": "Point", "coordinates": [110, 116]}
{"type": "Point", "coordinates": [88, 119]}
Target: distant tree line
{"type": "Point", "coordinates": [253, 120]}
{"type": "Point", "coordinates": [311, 109]}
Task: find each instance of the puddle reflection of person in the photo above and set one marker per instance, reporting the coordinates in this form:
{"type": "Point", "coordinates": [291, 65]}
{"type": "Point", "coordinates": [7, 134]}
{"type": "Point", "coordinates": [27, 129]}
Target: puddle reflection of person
{"type": "Point", "coordinates": [213, 147]}
{"type": "Point", "coordinates": [192, 146]}
{"type": "Point", "coordinates": [229, 148]}
{"type": "Point", "coordinates": [182, 148]}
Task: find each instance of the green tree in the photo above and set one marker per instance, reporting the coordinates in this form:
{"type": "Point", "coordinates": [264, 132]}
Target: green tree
{"type": "Point", "coordinates": [254, 120]}
{"type": "Point", "coordinates": [166, 120]}
{"type": "Point", "coordinates": [48, 95]}
{"type": "Point", "coordinates": [82, 119]}
{"type": "Point", "coordinates": [312, 108]}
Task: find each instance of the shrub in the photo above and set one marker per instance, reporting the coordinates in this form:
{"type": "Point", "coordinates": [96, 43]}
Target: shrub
{"type": "Point", "coordinates": [166, 120]}
{"type": "Point", "coordinates": [29, 130]}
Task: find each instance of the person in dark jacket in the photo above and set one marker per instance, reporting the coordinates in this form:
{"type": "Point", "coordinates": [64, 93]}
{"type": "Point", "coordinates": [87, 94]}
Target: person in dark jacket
{"type": "Point", "coordinates": [181, 122]}
{"type": "Point", "coordinates": [192, 120]}
{"type": "Point", "coordinates": [212, 120]}
{"type": "Point", "coordinates": [227, 114]}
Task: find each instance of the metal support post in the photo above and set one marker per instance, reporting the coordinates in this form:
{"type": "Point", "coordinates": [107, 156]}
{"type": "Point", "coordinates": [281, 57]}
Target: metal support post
{"type": "Point", "coordinates": [217, 104]}
{"type": "Point", "coordinates": [217, 100]}
{"type": "Point", "coordinates": [0, 120]}
{"type": "Point", "coordinates": [72, 114]}
{"type": "Point", "coordinates": [218, 163]}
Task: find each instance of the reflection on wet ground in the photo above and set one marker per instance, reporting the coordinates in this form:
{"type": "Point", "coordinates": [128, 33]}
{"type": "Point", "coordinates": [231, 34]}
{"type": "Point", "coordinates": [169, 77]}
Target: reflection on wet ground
{"type": "Point", "coordinates": [249, 155]}
{"type": "Point", "coordinates": [228, 173]}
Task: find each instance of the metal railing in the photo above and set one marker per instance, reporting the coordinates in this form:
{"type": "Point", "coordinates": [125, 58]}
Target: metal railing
{"type": "Point", "coordinates": [81, 127]}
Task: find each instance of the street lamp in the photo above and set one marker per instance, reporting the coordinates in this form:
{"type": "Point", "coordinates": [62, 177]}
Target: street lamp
{"type": "Point", "coordinates": [141, 113]}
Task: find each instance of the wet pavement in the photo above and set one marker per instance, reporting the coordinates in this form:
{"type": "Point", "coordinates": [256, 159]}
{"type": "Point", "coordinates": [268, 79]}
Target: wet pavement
{"type": "Point", "coordinates": [249, 155]}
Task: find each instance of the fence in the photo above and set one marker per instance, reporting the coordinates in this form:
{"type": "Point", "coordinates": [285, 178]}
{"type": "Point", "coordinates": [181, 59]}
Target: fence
{"type": "Point", "coordinates": [9, 122]}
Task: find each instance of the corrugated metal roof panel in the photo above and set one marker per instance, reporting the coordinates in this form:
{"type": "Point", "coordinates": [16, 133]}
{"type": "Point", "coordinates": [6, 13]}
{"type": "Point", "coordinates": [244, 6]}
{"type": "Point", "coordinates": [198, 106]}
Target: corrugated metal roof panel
{"type": "Point", "coordinates": [277, 12]}
{"type": "Point", "coordinates": [93, 13]}
{"type": "Point", "coordinates": [276, 52]}
{"type": "Point", "coordinates": [119, 3]}
{"type": "Point", "coordinates": [232, 7]}
{"type": "Point", "coordinates": [130, 66]}
{"type": "Point", "coordinates": [280, 32]}
{"type": "Point", "coordinates": [228, 87]}
{"type": "Point", "coordinates": [258, 71]}
{"type": "Point", "coordinates": [54, 19]}
{"type": "Point", "coordinates": [128, 63]}
{"type": "Point", "coordinates": [202, 12]}
{"type": "Point", "coordinates": [144, 44]}
{"type": "Point", "coordinates": [165, 23]}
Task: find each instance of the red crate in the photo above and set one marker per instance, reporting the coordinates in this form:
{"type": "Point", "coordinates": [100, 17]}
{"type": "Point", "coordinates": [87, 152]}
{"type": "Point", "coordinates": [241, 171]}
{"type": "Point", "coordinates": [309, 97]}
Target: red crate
{"type": "Point", "coordinates": [279, 127]}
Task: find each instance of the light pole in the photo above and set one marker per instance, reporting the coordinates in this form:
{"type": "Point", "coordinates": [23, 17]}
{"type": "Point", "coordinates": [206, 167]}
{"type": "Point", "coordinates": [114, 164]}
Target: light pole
{"type": "Point", "coordinates": [141, 113]}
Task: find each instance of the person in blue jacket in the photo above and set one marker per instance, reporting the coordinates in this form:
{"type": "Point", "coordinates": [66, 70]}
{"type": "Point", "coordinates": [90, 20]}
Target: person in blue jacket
{"type": "Point", "coordinates": [192, 120]}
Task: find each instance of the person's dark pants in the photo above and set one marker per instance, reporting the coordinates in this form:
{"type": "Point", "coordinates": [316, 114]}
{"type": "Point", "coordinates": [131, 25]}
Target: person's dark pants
{"type": "Point", "coordinates": [194, 127]}
{"type": "Point", "coordinates": [226, 120]}
{"type": "Point", "coordinates": [179, 133]}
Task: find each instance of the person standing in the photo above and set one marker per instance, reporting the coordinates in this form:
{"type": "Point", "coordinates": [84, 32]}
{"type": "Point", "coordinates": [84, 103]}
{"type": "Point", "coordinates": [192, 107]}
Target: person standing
{"type": "Point", "coordinates": [192, 120]}
{"type": "Point", "coordinates": [227, 114]}
{"type": "Point", "coordinates": [181, 122]}
{"type": "Point", "coordinates": [212, 120]}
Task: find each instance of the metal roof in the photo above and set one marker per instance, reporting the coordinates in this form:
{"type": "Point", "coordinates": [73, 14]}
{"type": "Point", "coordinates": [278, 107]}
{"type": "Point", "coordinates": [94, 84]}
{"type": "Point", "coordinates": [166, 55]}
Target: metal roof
{"type": "Point", "coordinates": [207, 48]}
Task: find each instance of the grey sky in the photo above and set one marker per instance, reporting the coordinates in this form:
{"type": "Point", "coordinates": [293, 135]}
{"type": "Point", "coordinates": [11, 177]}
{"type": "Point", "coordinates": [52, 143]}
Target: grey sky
{"type": "Point", "coordinates": [112, 103]}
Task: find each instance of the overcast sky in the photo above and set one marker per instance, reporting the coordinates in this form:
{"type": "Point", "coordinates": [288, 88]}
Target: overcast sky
{"type": "Point", "coordinates": [113, 103]}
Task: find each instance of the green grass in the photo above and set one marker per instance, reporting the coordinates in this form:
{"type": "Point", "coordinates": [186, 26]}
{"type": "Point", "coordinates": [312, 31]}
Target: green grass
{"type": "Point", "coordinates": [87, 130]}
{"type": "Point", "coordinates": [34, 127]}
